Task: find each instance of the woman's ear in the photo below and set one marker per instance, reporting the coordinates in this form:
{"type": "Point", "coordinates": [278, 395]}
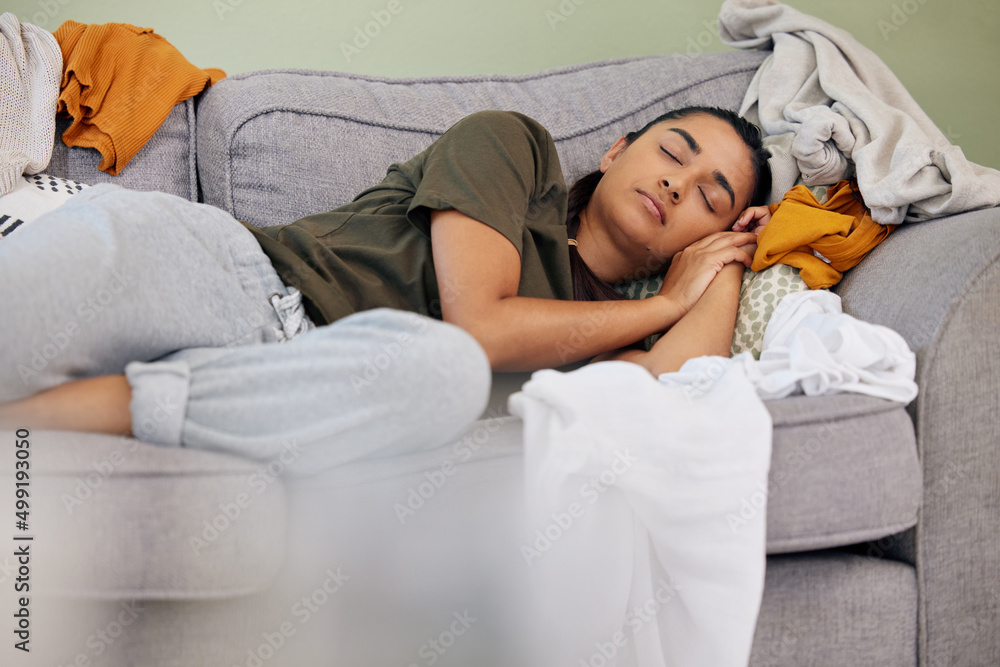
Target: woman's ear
{"type": "Point", "coordinates": [612, 153]}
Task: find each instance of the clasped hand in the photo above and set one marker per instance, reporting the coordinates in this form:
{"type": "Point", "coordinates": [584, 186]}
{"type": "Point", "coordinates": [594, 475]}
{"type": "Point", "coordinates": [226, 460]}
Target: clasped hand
{"type": "Point", "coordinates": [693, 268]}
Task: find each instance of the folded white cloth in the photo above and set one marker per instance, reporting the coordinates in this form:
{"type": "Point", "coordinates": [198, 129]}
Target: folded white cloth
{"type": "Point", "coordinates": [832, 108]}
{"type": "Point", "coordinates": [629, 485]}
{"type": "Point", "coordinates": [30, 73]}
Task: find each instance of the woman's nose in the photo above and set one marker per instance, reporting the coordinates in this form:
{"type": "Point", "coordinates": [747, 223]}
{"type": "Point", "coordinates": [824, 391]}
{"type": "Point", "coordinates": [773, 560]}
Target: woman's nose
{"type": "Point", "coordinates": [673, 190]}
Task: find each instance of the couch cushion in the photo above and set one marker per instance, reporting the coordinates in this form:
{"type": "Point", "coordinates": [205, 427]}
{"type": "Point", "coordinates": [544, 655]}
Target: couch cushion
{"type": "Point", "coordinates": [833, 608]}
{"type": "Point", "coordinates": [274, 146]}
{"type": "Point", "coordinates": [166, 163]}
{"type": "Point", "coordinates": [844, 469]}
{"type": "Point", "coordinates": [115, 518]}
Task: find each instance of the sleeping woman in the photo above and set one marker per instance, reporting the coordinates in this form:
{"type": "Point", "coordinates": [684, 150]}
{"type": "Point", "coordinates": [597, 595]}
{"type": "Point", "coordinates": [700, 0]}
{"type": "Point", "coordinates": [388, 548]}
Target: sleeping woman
{"type": "Point", "coordinates": [374, 327]}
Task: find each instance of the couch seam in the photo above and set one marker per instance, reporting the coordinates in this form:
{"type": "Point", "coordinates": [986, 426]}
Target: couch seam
{"type": "Point", "coordinates": [410, 128]}
{"type": "Point", "coordinates": [796, 545]}
{"type": "Point", "coordinates": [192, 150]}
{"type": "Point", "coordinates": [530, 76]}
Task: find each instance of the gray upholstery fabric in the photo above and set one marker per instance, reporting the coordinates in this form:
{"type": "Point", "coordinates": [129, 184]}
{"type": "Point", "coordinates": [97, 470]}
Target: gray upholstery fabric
{"type": "Point", "coordinates": [831, 609]}
{"type": "Point", "coordinates": [165, 163]}
{"type": "Point", "coordinates": [844, 469]}
{"type": "Point", "coordinates": [129, 516]}
{"type": "Point", "coordinates": [938, 284]}
{"type": "Point", "coordinates": [262, 136]}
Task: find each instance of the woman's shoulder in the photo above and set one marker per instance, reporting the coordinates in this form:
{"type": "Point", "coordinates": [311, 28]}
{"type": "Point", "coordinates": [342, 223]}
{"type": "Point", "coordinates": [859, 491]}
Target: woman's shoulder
{"type": "Point", "coordinates": [502, 123]}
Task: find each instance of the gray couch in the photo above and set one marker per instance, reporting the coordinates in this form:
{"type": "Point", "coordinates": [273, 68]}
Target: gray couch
{"type": "Point", "coordinates": [882, 519]}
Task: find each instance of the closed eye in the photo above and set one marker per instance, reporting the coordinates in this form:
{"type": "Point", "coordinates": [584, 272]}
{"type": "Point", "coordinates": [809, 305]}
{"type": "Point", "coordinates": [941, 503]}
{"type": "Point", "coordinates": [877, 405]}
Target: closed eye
{"type": "Point", "coordinates": [707, 203]}
{"type": "Point", "coordinates": [674, 157]}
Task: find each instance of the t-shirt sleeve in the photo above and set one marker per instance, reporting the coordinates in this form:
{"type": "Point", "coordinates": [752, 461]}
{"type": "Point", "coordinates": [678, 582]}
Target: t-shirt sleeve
{"type": "Point", "coordinates": [490, 166]}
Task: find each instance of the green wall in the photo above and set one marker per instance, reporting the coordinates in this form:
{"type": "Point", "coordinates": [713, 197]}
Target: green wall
{"type": "Point", "coordinates": [944, 51]}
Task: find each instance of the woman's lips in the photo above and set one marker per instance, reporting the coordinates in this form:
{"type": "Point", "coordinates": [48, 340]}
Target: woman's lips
{"type": "Point", "coordinates": [654, 206]}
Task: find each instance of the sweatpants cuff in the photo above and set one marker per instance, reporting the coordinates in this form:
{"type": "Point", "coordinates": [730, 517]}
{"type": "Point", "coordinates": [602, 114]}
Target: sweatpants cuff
{"type": "Point", "coordinates": [159, 400]}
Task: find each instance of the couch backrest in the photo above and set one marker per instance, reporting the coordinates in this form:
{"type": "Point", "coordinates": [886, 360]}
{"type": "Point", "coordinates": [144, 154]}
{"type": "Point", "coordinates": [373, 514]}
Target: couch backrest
{"type": "Point", "coordinates": [166, 163]}
{"type": "Point", "coordinates": [276, 145]}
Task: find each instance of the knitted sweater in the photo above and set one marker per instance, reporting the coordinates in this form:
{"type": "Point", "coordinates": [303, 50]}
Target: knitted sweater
{"type": "Point", "coordinates": [30, 70]}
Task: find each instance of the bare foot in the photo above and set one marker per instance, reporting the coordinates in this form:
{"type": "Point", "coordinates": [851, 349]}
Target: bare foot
{"type": "Point", "coordinates": [95, 405]}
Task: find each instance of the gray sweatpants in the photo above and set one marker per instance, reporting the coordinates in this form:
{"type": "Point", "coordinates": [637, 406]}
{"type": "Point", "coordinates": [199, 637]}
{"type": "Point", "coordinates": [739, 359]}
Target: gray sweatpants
{"type": "Point", "coordinates": [218, 351]}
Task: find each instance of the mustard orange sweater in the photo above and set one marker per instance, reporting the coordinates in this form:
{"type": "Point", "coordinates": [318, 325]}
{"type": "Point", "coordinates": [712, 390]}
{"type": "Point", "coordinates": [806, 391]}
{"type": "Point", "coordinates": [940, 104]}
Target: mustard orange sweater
{"type": "Point", "coordinates": [841, 229]}
{"type": "Point", "coordinates": [119, 83]}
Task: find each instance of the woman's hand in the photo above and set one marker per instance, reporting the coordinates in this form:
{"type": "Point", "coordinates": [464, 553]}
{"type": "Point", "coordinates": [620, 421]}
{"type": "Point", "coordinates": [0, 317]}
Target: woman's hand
{"type": "Point", "coordinates": [692, 269]}
{"type": "Point", "coordinates": [752, 220]}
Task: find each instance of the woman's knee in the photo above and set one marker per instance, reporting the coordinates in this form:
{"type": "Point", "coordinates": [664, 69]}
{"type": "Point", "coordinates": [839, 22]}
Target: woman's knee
{"type": "Point", "coordinates": [424, 366]}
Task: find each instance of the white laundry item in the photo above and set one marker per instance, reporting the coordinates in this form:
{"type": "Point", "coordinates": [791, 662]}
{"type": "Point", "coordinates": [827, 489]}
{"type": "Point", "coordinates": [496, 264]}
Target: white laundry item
{"type": "Point", "coordinates": [630, 485]}
{"type": "Point", "coordinates": [30, 74]}
{"type": "Point", "coordinates": [812, 347]}
{"type": "Point", "coordinates": [828, 103]}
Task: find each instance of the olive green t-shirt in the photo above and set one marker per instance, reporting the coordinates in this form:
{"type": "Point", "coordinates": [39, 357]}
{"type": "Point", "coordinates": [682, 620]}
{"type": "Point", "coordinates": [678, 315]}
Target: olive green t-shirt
{"type": "Point", "coordinates": [497, 167]}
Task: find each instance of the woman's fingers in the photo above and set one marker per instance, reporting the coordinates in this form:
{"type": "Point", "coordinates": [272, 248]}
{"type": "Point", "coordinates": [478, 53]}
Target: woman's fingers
{"type": "Point", "coordinates": [721, 240]}
{"type": "Point", "coordinates": [754, 217]}
{"type": "Point", "coordinates": [696, 266]}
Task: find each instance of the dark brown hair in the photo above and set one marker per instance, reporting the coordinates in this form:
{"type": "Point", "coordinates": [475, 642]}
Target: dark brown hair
{"type": "Point", "coordinates": [586, 285]}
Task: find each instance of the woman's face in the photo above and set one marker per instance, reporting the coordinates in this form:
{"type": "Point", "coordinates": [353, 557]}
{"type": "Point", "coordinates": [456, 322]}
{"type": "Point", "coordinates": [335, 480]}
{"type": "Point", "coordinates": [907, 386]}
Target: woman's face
{"type": "Point", "coordinates": [680, 181]}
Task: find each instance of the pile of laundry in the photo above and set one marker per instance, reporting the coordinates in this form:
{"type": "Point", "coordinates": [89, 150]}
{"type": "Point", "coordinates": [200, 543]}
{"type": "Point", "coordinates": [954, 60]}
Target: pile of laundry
{"type": "Point", "coordinates": [117, 82]}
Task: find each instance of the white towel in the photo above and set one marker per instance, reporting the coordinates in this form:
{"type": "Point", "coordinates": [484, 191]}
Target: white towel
{"type": "Point", "coordinates": [630, 482]}
{"type": "Point", "coordinates": [831, 108]}
{"type": "Point", "coordinates": [30, 73]}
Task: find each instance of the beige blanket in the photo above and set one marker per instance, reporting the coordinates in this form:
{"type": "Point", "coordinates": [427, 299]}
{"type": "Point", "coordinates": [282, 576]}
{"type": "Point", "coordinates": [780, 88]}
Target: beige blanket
{"type": "Point", "coordinates": [832, 110]}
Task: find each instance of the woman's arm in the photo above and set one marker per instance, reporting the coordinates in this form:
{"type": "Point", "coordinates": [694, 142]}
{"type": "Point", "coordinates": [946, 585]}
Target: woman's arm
{"type": "Point", "coordinates": [478, 272]}
{"type": "Point", "coordinates": [707, 329]}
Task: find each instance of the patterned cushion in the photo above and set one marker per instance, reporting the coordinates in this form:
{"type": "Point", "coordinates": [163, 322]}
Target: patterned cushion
{"type": "Point", "coordinates": [759, 294]}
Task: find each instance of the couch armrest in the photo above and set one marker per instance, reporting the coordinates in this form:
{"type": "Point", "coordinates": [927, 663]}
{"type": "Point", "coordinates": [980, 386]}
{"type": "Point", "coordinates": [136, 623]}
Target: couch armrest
{"type": "Point", "coordinates": [938, 284]}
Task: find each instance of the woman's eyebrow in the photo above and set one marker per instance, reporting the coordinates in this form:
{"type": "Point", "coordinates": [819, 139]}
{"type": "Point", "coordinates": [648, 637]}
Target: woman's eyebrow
{"type": "Point", "coordinates": [692, 144]}
{"type": "Point", "coordinates": [720, 178]}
